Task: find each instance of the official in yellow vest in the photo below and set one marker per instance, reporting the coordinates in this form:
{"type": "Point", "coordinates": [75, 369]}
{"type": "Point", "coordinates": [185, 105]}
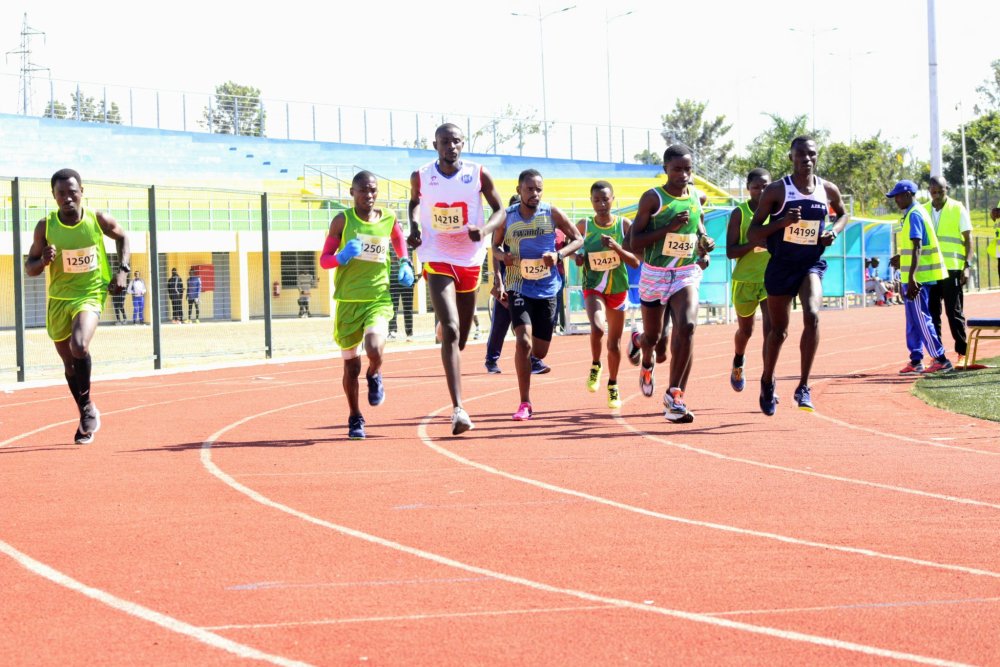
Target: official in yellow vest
{"type": "Point", "coordinates": [70, 243]}
{"type": "Point", "coordinates": [922, 264]}
{"type": "Point", "coordinates": [995, 216]}
{"type": "Point", "coordinates": [953, 227]}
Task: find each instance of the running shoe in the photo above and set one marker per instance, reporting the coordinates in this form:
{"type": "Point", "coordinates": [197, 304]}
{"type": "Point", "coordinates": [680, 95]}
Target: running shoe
{"type": "Point", "coordinates": [685, 418]}
{"type": "Point", "coordinates": [646, 381]}
{"type": "Point", "coordinates": [376, 390]}
{"type": "Point", "coordinates": [523, 412]}
{"type": "Point", "coordinates": [539, 367]}
{"type": "Point", "coordinates": [90, 419]}
{"type": "Point", "coordinates": [614, 399]}
{"type": "Point", "coordinates": [803, 398]}
{"type": "Point", "coordinates": [673, 400]}
{"type": "Point", "coordinates": [460, 422]}
{"type": "Point", "coordinates": [960, 361]}
{"type": "Point", "coordinates": [634, 349]}
{"type": "Point", "coordinates": [912, 368]}
{"type": "Point", "coordinates": [356, 427]}
{"type": "Point", "coordinates": [83, 438]}
{"type": "Point", "coordinates": [594, 378]}
{"type": "Point", "coordinates": [768, 399]}
{"type": "Point", "coordinates": [736, 379]}
{"type": "Point", "coordinates": [492, 368]}
{"type": "Point", "coordinates": [939, 367]}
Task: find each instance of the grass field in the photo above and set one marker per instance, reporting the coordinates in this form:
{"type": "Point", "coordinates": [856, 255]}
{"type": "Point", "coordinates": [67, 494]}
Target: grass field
{"type": "Point", "coordinates": [974, 393]}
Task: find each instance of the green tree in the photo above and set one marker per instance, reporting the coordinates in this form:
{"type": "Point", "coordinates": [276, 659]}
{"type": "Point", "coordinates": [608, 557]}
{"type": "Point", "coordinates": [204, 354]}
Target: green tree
{"type": "Point", "coordinates": [510, 124]}
{"type": "Point", "coordinates": [770, 148]}
{"type": "Point", "coordinates": [982, 147]}
{"type": "Point", "coordinates": [89, 110]}
{"type": "Point", "coordinates": [237, 110]}
{"type": "Point", "coordinates": [55, 109]}
{"type": "Point", "coordinates": [865, 170]}
{"type": "Point", "coordinates": [990, 90]}
{"type": "Point", "coordinates": [687, 124]}
{"type": "Point", "coordinates": [649, 157]}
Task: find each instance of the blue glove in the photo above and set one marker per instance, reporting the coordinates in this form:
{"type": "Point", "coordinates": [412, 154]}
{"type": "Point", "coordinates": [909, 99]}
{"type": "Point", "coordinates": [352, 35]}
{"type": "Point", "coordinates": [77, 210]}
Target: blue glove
{"type": "Point", "coordinates": [405, 275]}
{"type": "Point", "coordinates": [351, 250]}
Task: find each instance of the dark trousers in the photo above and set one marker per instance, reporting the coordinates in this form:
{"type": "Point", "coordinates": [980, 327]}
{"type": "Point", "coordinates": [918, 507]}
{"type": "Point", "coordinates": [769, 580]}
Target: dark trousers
{"type": "Point", "coordinates": [194, 305]}
{"type": "Point", "coordinates": [404, 297]}
{"type": "Point", "coordinates": [119, 301]}
{"type": "Point", "coordinates": [176, 308]}
{"type": "Point", "coordinates": [499, 326]}
{"type": "Point", "coordinates": [949, 290]}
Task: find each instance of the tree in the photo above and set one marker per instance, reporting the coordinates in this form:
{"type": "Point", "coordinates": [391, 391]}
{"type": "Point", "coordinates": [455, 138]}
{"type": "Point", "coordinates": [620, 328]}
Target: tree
{"type": "Point", "coordinates": [990, 90]}
{"type": "Point", "coordinates": [649, 157]}
{"type": "Point", "coordinates": [982, 147]}
{"type": "Point", "coordinates": [88, 110]}
{"type": "Point", "coordinates": [770, 148]}
{"type": "Point", "coordinates": [509, 124]}
{"type": "Point", "coordinates": [238, 110]}
{"type": "Point", "coordinates": [686, 124]}
{"type": "Point", "coordinates": [55, 109]}
{"type": "Point", "coordinates": [865, 170]}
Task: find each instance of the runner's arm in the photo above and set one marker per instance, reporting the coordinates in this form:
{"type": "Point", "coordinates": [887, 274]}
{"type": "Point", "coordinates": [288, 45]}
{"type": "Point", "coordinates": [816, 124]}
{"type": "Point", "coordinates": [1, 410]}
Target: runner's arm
{"type": "Point", "coordinates": [40, 254]}
{"type": "Point", "coordinates": [328, 259]}
{"type": "Point", "coordinates": [413, 209]}
{"type": "Point", "coordinates": [113, 230]}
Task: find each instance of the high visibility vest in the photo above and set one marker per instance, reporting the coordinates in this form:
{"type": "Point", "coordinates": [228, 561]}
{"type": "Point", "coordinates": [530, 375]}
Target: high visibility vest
{"type": "Point", "coordinates": [930, 263]}
{"type": "Point", "coordinates": [949, 233]}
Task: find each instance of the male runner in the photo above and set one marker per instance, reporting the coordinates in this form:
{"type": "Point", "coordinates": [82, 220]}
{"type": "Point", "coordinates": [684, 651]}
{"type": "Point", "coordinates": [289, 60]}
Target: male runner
{"type": "Point", "coordinates": [748, 274]}
{"type": "Point", "coordinates": [446, 224]}
{"type": "Point", "coordinates": [669, 229]}
{"type": "Point", "coordinates": [70, 242]}
{"type": "Point", "coordinates": [605, 284]}
{"type": "Point", "coordinates": [797, 205]}
{"type": "Point", "coordinates": [358, 247]}
{"type": "Point", "coordinates": [529, 231]}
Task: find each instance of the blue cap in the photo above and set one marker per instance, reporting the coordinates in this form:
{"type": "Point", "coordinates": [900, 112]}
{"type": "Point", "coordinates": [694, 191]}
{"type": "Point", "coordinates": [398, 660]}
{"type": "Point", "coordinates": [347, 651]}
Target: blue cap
{"type": "Point", "coordinates": [901, 187]}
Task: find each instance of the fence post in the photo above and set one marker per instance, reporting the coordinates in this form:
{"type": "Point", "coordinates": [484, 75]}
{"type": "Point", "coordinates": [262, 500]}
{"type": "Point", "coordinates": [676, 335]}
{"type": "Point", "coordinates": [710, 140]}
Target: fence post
{"type": "Point", "coordinates": [15, 197]}
{"type": "Point", "coordinates": [236, 115]}
{"type": "Point", "coordinates": [314, 121]}
{"type": "Point", "coordinates": [184, 111]}
{"type": "Point", "coordinates": [157, 110]}
{"type": "Point", "coordinates": [154, 280]}
{"type": "Point", "coordinates": [364, 113]}
{"type": "Point", "coordinates": [105, 103]}
{"type": "Point", "coordinates": [570, 142]}
{"type": "Point", "coordinates": [623, 145]}
{"type": "Point", "coordinates": [78, 101]}
{"type": "Point", "coordinates": [391, 144]}
{"type": "Point", "coordinates": [288, 123]}
{"type": "Point", "coordinates": [340, 127]}
{"type": "Point", "coordinates": [265, 251]}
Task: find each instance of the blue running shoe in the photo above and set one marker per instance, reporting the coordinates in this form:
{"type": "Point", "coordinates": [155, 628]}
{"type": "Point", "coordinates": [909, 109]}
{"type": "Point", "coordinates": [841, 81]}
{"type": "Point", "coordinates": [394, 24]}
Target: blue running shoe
{"type": "Point", "coordinates": [356, 427]}
{"type": "Point", "coordinates": [803, 398]}
{"type": "Point", "coordinates": [376, 391]}
{"type": "Point", "coordinates": [768, 401]}
{"type": "Point", "coordinates": [492, 367]}
{"type": "Point", "coordinates": [539, 367]}
{"type": "Point", "coordinates": [736, 379]}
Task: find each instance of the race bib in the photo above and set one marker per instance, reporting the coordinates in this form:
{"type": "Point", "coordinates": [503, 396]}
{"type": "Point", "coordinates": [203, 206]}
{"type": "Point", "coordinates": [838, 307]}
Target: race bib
{"type": "Point", "coordinates": [80, 260]}
{"type": "Point", "coordinates": [803, 232]}
{"type": "Point", "coordinates": [604, 260]}
{"type": "Point", "coordinates": [534, 269]}
{"type": "Point", "coordinates": [448, 218]}
{"type": "Point", "coordinates": [373, 248]}
{"type": "Point", "coordinates": [679, 245]}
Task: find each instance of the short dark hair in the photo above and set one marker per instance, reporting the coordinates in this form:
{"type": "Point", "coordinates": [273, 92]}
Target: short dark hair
{"type": "Point", "coordinates": [65, 175]}
{"type": "Point", "coordinates": [758, 173]}
{"type": "Point", "coordinates": [448, 126]}
{"type": "Point", "coordinates": [600, 185]}
{"type": "Point", "coordinates": [362, 175]}
{"type": "Point", "coordinates": [675, 151]}
{"type": "Point", "coordinates": [528, 173]}
{"type": "Point", "coordinates": [939, 181]}
{"type": "Point", "coordinates": [801, 139]}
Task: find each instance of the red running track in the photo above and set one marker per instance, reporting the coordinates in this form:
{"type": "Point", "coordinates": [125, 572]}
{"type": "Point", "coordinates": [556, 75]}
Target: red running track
{"type": "Point", "coordinates": [223, 516]}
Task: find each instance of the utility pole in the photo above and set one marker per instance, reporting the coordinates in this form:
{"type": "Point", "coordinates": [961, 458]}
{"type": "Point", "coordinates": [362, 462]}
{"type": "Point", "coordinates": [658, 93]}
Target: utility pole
{"type": "Point", "coordinates": [27, 67]}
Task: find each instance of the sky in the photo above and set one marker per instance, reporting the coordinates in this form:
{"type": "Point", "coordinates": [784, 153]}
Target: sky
{"type": "Point", "coordinates": [862, 64]}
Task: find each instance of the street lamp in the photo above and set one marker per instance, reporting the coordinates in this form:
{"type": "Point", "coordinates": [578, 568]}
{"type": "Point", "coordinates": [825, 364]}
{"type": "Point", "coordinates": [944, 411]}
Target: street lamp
{"type": "Point", "coordinates": [607, 42]}
{"type": "Point", "coordinates": [813, 32]}
{"type": "Point", "coordinates": [541, 46]}
{"type": "Point", "coordinates": [850, 86]}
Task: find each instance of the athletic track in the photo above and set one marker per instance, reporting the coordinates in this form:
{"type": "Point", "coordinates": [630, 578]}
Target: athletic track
{"type": "Point", "coordinates": [222, 516]}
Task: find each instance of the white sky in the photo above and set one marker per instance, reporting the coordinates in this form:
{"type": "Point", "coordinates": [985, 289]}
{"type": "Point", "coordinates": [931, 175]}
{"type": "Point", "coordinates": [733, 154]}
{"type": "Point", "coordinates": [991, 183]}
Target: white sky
{"type": "Point", "coordinates": [472, 56]}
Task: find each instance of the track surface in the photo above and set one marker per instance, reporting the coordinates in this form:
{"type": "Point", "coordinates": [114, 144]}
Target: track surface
{"type": "Point", "coordinates": [223, 517]}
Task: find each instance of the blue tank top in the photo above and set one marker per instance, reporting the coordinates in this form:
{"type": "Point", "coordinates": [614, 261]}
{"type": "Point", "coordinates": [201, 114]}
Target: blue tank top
{"type": "Point", "coordinates": [528, 240]}
{"type": "Point", "coordinates": [799, 243]}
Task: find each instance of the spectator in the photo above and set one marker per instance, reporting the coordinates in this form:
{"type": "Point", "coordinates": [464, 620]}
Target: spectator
{"type": "Point", "coordinates": [137, 289]}
{"type": "Point", "coordinates": [874, 284]}
{"type": "Point", "coordinates": [402, 300]}
{"type": "Point", "coordinates": [175, 290]}
{"type": "Point", "coordinates": [118, 300]}
{"type": "Point", "coordinates": [304, 283]}
{"type": "Point", "coordinates": [194, 296]}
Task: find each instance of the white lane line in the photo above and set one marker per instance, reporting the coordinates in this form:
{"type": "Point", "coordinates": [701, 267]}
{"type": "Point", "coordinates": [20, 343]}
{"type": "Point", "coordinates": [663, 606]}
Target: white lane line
{"type": "Point", "coordinates": [138, 611]}
{"type": "Point", "coordinates": [788, 635]}
{"type": "Point", "coordinates": [413, 617]}
{"type": "Point", "coordinates": [859, 605]}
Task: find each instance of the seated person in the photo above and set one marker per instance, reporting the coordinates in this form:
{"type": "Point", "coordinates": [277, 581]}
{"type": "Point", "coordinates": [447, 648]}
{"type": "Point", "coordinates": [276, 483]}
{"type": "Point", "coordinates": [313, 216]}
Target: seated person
{"type": "Point", "coordinates": [873, 283]}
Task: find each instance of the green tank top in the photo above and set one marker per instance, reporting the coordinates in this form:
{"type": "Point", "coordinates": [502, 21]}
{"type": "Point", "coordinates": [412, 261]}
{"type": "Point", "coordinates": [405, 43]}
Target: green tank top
{"type": "Point", "coordinates": [604, 271]}
{"type": "Point", "coordinates": [366, 277]}
{"type": "Point", "coordinates": [750, 267]}
{"type": "Point", "coordinates": [80, 269]}
{"type": "Point", "coordinates": [678, 248]}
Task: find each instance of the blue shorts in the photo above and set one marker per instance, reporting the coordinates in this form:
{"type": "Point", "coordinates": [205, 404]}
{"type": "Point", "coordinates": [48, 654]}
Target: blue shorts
{"type": "Point", "coordinates": [782, 279]}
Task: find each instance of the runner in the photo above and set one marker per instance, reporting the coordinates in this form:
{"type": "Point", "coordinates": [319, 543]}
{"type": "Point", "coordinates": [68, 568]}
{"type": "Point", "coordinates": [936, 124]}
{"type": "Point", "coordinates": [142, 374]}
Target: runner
{"type": "Point", "coordinates": [748, 274]}
{"type": "Point", "coordinates": [605, 284]}
{"type": "Point", "coordinates": [528, 230]}
{"type": "Point", "coordinates": [446, 224]}
{"type": "Point", "coordinates": [669, 229]}
{"type": "Point", "coordinates": [797, 205]}
{"type": "Point", "coordinates": [357, 246]}
{"type": "Point", "coordinates": [70, 242]}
